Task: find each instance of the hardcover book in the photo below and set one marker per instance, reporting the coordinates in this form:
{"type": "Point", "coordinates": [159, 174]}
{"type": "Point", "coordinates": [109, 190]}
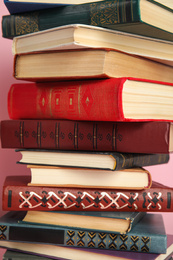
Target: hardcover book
{"type": "Point", "coordinates": [115, 222]}
{"type": "Point", "coordinates": [18, 196]}
{"type": "Point", "coordinates": [19, 6]}
{"type": "Point", "coordinates": [148, 235]}
{"type": "Point", "coordinates": [77, 36]}
{"type": "Point", "coordinates": [142, 17]}
{"type": "Point", "coordinates": [124, 100]}
{"type": "Point", "coordinates": [12, 255]}
{"type": "Point", "coordinates": [96, 63]}
{"type": "Point", "coordinates": [126, 137]}
{"type": "Point", "coordinates": [134, 178]}
{"type": "Point", "coordinates": [93, 160]}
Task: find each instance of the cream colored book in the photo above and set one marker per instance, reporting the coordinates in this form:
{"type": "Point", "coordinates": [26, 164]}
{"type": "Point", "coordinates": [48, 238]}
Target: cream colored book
{"type": "Point", "coordinates": [135, 178]}
{"type": "Point", "coordinates": [77, 36]}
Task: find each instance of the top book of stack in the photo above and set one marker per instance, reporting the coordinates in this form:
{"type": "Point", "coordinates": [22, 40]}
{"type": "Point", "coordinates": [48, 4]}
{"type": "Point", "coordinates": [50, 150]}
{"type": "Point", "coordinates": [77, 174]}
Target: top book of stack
{"type": "Point", "coordinates": [141, 17]}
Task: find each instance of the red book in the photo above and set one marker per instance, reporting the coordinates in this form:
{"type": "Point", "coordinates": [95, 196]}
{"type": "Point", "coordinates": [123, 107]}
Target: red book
{"type": "Point", "coordinates": [121, 99]}
{"type": "Point", "coordinates": [127, 137]}
{"type": "Point", "coordinates": [20, 197]}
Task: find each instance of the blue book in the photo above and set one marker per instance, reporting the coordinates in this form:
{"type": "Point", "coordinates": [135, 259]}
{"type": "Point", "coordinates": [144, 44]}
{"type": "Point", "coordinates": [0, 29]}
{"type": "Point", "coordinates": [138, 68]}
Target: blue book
{"type": "Point", "coordinates": [147, 236]}
{"type": "Point", "coordinates": [12, 255]}
{"type": "Point", "coordinates": [21, 6]}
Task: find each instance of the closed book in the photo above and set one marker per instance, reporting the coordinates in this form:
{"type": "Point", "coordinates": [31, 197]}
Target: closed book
{"type": "Point", "coordinates": [136, 16]}
{"type": "Point", "coordinates": [123, 99]}
{"type": "Point", "coordinates": [20, 6]}
{"type": "Point", "coordinates": [12, 255]}
{"type": "Point", "coordinates": [148, 235]}
{"type": "Point", "coordinates": [115, 222]}
{"type": "Point", "coordinates": [126, 137]}
{"type": "Point", "coordinates": [18, 196]}
{"type": "Point", "coordinates": [96, 63]}
{"type": "Point", "coordinates": [134, 178]}
{"type": "Point", "coordinates": [93, 160]}
{"type": "Point", "coordinates": [77, 36]}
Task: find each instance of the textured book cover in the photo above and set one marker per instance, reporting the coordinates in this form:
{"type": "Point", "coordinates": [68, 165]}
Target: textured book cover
{"type": "Point", "coordinates": [126, 137]}
{"type": "Point", "coordinates": [18, 196]}
{"type": "Point", "coordinates": [80, 100]}
{"type": "Point", "coordinates": [148, 235]}
{"type": "Point", "coordinates": [116, 14]}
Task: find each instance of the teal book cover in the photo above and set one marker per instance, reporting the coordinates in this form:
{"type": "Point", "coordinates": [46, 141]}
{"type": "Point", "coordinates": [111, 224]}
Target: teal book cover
{"type": "Point", "coordinates": [147, 236]}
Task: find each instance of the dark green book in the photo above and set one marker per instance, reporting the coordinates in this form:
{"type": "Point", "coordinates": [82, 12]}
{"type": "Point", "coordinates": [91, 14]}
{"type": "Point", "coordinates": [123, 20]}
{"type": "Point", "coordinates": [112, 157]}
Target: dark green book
{"type": "Point", "coordinates": [144, 17]}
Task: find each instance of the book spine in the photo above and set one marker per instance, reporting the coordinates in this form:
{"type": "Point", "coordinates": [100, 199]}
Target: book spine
{"type": "Point", "coordinates": [97, 14]}
{"type": "Point", "coordinates": [126, 161]}
{"type": "Point", "coordinates": [84, 239]}
{"type": "Point", "coordinates": [77, 100]}
{"type": "Point", "coordinates": [126, 137]}
{"type": "Point", "coordinates": [22, 198]}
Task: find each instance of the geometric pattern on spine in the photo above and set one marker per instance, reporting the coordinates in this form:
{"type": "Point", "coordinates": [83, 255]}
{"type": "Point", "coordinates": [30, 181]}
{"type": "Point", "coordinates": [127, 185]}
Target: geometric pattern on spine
{"type": "Point", "coordinates": [91, 241]}
{"type": "Point", "coordinates": [70, 238]}
{"type": "Point", "coordinates": [112, 241]}
{"type": "Point", "coordinates": [134, 246]}
{"type": "Point", "coordinates": [123, 245]}
{"type": "Point", "coordinates": [80, 239]}
{"type": "Point", "coordinates": [85, 200]}
{"type": "Point", "coordinates": [3, 232]}
{"type": "Point", "coordinates": [146, 244]}
{"type": "Point", "coordinates": [102, 240]}
{"type": "Point", "coordinates": [102, 243]}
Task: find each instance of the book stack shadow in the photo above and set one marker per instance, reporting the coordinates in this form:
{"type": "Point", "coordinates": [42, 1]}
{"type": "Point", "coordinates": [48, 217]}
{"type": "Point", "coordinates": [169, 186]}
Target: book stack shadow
{"type": "Point", "coordinates": [94, 110]}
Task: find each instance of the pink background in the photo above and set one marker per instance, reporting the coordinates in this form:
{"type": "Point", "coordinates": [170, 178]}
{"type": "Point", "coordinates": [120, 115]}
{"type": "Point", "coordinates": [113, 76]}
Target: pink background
{"type": "Point", "coordinates": [8, 157]}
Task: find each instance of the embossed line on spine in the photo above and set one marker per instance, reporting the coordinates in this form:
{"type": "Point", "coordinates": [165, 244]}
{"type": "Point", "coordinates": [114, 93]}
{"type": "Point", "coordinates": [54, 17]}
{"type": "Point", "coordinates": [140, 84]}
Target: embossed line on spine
{"type": "Point", "coordinates": [94, 136]}
{"type": "Point", "coordinates": [21, 133]}
{"type": "Point", "coordinates": [76, 135]}
{"type": "Point", "coordinates": [114, 133]}
{"type": "Point", "coordinates": [39, 134]}
{"type": "Point", "coordinates": [57, 127]}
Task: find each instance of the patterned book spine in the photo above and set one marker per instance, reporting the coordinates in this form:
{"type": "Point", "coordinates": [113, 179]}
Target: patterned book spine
{"type": "Point", "coordinates": [103, 14]}
{"type": "Point", "coordinates": [148, 137]}
{"type": "Point", "coordinates": [150, 242]}
{"type": "Point", "coordinates": [21, 198]}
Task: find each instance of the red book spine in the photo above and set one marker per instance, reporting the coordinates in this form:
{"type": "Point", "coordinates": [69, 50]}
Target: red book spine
{"type": "Point", "coordinates": [99, 100]}
{"type": "Point", "coordinates": [128, 137]}
{"type": "Point", "coordinates": [18, 196]}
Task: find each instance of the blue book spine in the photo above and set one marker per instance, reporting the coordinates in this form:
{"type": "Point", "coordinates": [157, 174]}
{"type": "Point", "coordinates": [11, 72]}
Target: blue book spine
{"type": "Point", "coordinates": [147, 236]}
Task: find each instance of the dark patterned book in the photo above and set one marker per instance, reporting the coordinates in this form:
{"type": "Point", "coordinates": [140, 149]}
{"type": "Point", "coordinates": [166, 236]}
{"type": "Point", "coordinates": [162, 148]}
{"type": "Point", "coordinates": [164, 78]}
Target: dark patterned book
{"type": "Point", "coordinates": [18, 196]}
{"type": "Point", "coordinates": [125, 137]}
{"type": "Point", "coordinates": [135, 16]}
{"type": "Point", "coordinates": [148, 235]}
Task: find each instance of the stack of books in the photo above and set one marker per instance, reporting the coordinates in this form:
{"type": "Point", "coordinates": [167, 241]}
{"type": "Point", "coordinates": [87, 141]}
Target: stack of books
{"type": "Point", "coordinates": [96, 110]}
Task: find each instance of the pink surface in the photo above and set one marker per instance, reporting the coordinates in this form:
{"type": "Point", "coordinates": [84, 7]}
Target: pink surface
{"type": "Point", "coordinates": [8, 158]}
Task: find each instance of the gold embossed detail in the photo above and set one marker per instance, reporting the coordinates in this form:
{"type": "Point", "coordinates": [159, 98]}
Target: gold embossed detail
{"type": "Point", "coordinates": [105, 13]}
{"type": "Point", "coordinates": [27, 23]}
